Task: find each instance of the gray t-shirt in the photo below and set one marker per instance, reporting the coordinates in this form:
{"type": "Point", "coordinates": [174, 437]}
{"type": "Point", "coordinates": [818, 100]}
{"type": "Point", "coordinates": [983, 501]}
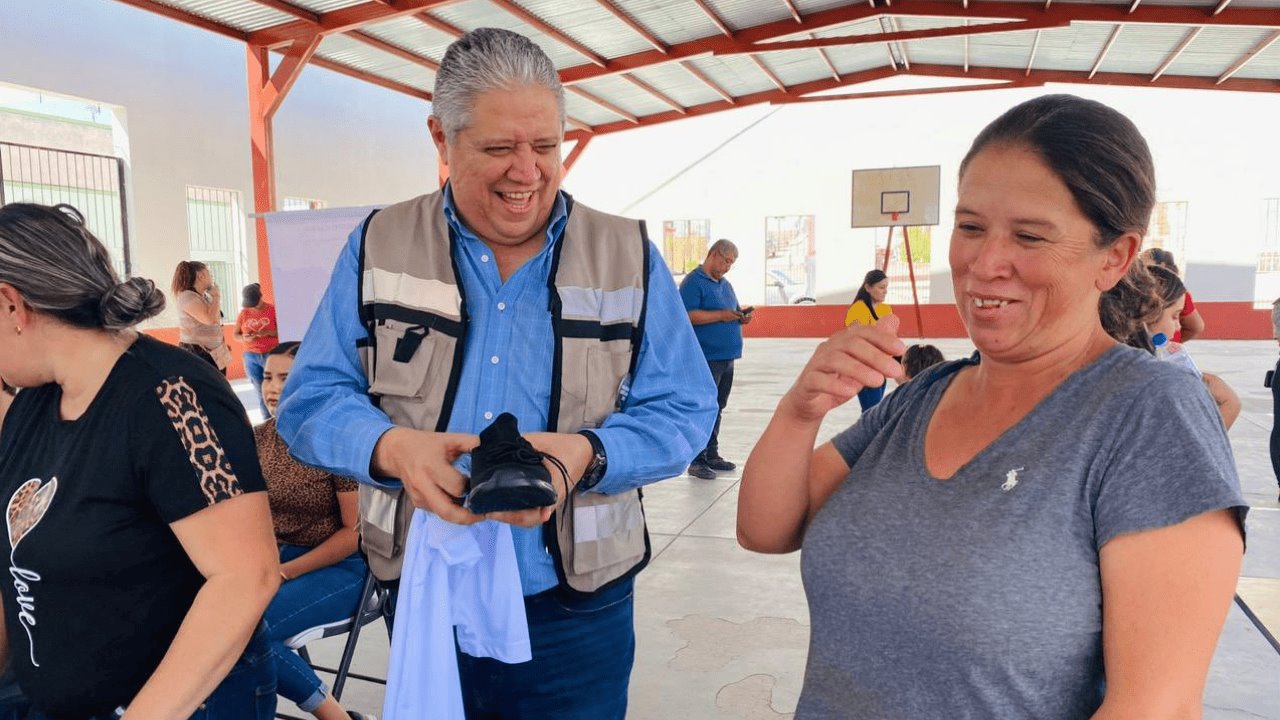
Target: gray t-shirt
{"type": "Point", "coordinates": [980, 596]}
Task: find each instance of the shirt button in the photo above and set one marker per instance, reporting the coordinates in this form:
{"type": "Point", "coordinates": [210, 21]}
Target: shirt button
{"type": "Point", "coordinates": [484, 258]}
{"type": "Point", "coordinates": [494, 360]}
{"type": "Point", "coordinates": [502, 306]}
{"type": "Point", "coordinates": [488, 416]}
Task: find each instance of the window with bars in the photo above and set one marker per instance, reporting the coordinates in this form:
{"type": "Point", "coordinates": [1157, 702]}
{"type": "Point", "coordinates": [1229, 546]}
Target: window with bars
{"type": "Point", "coordinates": [1266, 281]}
{"type": "Point", "coordinates": [921, 239]}
{"type": "Point", "coordinates": [92, 184]}
{"type": "Point", "coordinates": [216, 233]}
{"type": "Point", "coordinates": [684, 244]}
{"type": "Point", "coordinates": [300, 203]}
{"type": "Point", "coordinates": [789, 261]}
{"type": "Point", "coordinates": [1168, 230]}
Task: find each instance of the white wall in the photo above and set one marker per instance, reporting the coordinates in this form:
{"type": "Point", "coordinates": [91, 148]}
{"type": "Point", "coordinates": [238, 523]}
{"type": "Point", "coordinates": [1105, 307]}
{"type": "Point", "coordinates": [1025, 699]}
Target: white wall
{"type": "Point", "coordinates": [182, 91]}
{"type": "Point", "coordinates": [1217, 150]}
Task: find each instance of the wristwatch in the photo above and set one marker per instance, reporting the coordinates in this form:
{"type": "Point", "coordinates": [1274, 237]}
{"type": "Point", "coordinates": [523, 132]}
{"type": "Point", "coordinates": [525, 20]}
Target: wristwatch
{"type": "Point", "coordinates": [599, 461]}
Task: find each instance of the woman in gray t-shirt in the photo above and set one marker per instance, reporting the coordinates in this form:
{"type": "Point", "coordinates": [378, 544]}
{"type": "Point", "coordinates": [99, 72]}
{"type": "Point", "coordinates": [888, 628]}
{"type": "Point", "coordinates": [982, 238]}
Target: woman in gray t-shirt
{"type": "Point", "coordinates": [1054, 531]}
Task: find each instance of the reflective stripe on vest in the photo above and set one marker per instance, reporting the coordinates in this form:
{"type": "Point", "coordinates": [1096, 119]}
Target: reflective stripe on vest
{"type": "Point", "coordinates": [414, 310]}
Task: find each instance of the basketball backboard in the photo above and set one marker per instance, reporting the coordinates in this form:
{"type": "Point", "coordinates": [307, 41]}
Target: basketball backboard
{"type": "Point", "coordinates": [901, 197]}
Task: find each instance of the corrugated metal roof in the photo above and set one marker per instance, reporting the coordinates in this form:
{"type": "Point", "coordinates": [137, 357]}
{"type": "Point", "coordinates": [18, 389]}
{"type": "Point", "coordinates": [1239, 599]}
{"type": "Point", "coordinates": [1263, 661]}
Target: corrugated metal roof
{"type": "Point", "coordinates": [1214, 50]}
{"type": "Point", "coordinates": [413, 35]}
{"type": "Point", "coordinates": [589, 24]}
{"type": "Point", "coordinates": [1265, 65]}
{"type": "Point", "coordinates": [672, 22]}
{"type": "Point", "coordinates": [322, 6]}
{"type": "Point", "coordinates": [1065, 53]}
{"type": "Point", "coordinates": [238, 14]}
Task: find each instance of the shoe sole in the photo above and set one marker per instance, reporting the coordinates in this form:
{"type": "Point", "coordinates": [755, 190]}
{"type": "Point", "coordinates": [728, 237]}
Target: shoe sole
{"type": "Point", "coordinates": [510, 488]}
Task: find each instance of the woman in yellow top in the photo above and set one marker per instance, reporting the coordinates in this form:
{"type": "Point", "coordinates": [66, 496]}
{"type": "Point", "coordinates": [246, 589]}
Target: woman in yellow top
{"type": "Point", "coordinates": [868, 308]}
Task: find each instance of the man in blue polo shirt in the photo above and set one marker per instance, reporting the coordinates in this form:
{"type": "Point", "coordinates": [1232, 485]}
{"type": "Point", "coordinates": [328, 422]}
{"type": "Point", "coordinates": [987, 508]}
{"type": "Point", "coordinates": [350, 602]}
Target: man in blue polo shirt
{"type": "Point", "coordinates": [717, 321]}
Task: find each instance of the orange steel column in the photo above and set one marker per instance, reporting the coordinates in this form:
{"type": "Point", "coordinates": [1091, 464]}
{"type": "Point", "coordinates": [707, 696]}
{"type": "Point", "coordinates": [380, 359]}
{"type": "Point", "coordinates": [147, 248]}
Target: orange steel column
{"type": "Point", "coordinates": [262, 148]}
{"type": "Point", "coordinates": [267, 91]}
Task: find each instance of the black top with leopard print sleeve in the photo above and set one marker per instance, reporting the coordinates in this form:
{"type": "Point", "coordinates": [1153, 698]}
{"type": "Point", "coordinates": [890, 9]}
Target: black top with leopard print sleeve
{"type": "Point", "coordinates": [98, 583]}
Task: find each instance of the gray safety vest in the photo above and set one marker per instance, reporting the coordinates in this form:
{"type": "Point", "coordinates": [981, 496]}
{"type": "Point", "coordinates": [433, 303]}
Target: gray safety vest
{"type": "Point", "coordinates": [414, 310]}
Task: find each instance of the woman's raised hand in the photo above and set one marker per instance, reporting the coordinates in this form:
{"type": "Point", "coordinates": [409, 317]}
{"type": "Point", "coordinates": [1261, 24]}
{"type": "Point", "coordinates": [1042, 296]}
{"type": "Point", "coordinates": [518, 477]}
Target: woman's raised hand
{"type": "Point", "coordinates": [857, 357]}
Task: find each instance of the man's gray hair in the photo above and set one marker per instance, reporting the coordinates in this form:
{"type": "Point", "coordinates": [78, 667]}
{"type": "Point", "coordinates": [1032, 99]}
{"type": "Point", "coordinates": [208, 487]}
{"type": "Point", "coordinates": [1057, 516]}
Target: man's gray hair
{"type": "Point", "coordinates": [489, 59]}
{"type": "Point", "coordinates": [724, 247]}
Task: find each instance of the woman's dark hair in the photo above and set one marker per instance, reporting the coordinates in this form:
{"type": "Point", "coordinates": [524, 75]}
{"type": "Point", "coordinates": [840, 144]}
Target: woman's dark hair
{"type": "Point", "coordinates": [1160, 256]}
{"type": "Point", "coordinates": [184, 276]}
{"type": "Point", "coordinates": [1094, 150]}
{"type": "Point", "coordinates": [63, 271]}
{"type": "Point", "coordinates": [288, 348]}
{"type": "Point", "coordinates": [871, 278]}
{"type": "Point", "coordinates": [1126, 308]}
{"type": "Point", "coordinates": [1169, 287]}
{"type": "Point", "coordinates": [919, 358]}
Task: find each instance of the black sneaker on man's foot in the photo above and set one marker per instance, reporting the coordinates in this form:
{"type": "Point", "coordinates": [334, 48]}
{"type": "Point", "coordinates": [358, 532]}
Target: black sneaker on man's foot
{"type": "Point", "coordinates": [699, 469]}
{"type": "Point", "coordinates": [507, 472]}
{"type": "Point", "coordinates": [718, 463]}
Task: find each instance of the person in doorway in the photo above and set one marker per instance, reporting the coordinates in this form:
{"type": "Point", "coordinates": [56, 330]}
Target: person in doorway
{"type": "Point", "coordinates": [1190, 322]}
{"type": "Point", "coordinates": [322, 574]}
{"type": "Point", "coordinates": [256, 328]}
{"type": "Point", "coordinates": [717, 320]}
{"type": "Point", "coordinates": [973, 546]}
{"type": "Point", "coordinates": [199, 302]}
{"type": "Point", "coordinates": [139, 535]}
{"type": "Point", "coordinates": [500, 293]}
{"type": "Point", "coordinates": [869, 308]}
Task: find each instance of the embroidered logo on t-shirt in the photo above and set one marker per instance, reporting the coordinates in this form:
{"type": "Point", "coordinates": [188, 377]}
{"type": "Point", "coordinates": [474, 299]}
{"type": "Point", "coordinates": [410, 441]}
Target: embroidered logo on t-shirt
{"type": "Point", "coordinates": [254, 325]}
{"type": "Point", "coordinates": [1011, 479]}
{"type": "Point", "coordinates": [217, 478]}
{"type": "Point", "coordinates": [26, 508]}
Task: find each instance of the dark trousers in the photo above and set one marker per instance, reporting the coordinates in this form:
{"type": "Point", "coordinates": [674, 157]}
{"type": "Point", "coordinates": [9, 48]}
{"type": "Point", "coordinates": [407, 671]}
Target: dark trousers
{"type": "Point", "coordinates": [1275, 423]}
{"type": "Point", "coordinates": [202, 353]}
{"type": "Point", "coordinates": [583, 651]}
{"type": "Point", "coordinates": [722, 375]}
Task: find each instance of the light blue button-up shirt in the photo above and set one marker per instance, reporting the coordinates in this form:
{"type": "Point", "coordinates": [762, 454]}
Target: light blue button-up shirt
{"type": "Point", "coordinates": [328, 421]}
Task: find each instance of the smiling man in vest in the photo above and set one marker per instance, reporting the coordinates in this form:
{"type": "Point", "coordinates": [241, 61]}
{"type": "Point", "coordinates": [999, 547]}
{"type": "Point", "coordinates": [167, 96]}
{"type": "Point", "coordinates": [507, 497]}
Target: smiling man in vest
{"type": "Point", "coordinates": [500, 294]}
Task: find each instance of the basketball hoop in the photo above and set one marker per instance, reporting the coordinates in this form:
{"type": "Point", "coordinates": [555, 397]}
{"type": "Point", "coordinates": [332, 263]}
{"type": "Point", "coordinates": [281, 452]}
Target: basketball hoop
{"type": "Point", "coordinates": [894, 216]}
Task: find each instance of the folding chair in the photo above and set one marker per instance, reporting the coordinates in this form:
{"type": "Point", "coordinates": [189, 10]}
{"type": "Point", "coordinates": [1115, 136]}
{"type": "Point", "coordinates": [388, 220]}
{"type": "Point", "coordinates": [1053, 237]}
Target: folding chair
{"type": "Point", "coordinates": [374, 604]}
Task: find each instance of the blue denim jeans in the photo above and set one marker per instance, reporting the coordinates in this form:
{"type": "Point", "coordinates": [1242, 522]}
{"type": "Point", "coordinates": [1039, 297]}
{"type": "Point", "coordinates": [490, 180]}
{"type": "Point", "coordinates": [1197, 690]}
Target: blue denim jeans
{"type": "Point", "coordinates": [253, 365]}
{"type": "Point", "coordinates": [322, 596]}
{"type": "Point", "coordinates": [247, 693]}
{"type": "Point", "coordinates": [583, 651]}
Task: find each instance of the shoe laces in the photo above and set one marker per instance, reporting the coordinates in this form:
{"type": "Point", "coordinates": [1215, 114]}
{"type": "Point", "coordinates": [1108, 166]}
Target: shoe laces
{"type": "Point", "coordinates": [523, 451]}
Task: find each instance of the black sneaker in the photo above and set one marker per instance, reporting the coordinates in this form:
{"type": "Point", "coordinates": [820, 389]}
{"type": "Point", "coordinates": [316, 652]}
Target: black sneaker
{"type": "Point", "coordinates": [507, 472]}
{"type": "Point", "coordinates": [699, 469]}
{"type": "Point", "coordinates": [718, 463]}
{"type": "Point", "coordinates": [360, 716]}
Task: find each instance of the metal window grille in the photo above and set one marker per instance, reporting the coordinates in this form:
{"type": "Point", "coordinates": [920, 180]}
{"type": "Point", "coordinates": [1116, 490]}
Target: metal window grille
{"type": "Point", "coordinates": [1168, 230]}
{"type": "Point", "coordinates": [921, 238]}
{"type": "Point", "coordinates": [216, 233]}
{"type": "Point", "coordinates": [684, 244]}
{"type": "Point", "coordinates": [1266, 281]}
{"type": "Point", "coordinates": [93, 184]}
{"type": "Point", "coordinates": [299, 203]}
{"type": "Point", "coordinates": [789, 259]}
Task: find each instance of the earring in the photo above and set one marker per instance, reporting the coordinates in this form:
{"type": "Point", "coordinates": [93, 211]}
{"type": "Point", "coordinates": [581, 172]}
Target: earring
{"type": "Point", "coordinates": [17, 329]}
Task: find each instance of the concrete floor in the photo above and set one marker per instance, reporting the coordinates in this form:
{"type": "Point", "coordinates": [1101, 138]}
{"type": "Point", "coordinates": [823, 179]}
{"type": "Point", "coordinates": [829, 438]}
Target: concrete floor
{"type": "Point", "coordinates": [722, 632]}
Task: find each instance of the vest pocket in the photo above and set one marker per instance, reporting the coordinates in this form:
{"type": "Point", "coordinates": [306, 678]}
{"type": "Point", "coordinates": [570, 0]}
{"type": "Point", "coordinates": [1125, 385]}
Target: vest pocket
{"type": "Point", "coordinates": [405, 353]}
{"type": "Point", "coordinates": [606, 370]}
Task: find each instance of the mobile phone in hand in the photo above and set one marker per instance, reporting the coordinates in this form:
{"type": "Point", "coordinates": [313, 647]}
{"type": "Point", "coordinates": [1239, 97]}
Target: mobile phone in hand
{"type": "Point", "coordinates": [748, 309]}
